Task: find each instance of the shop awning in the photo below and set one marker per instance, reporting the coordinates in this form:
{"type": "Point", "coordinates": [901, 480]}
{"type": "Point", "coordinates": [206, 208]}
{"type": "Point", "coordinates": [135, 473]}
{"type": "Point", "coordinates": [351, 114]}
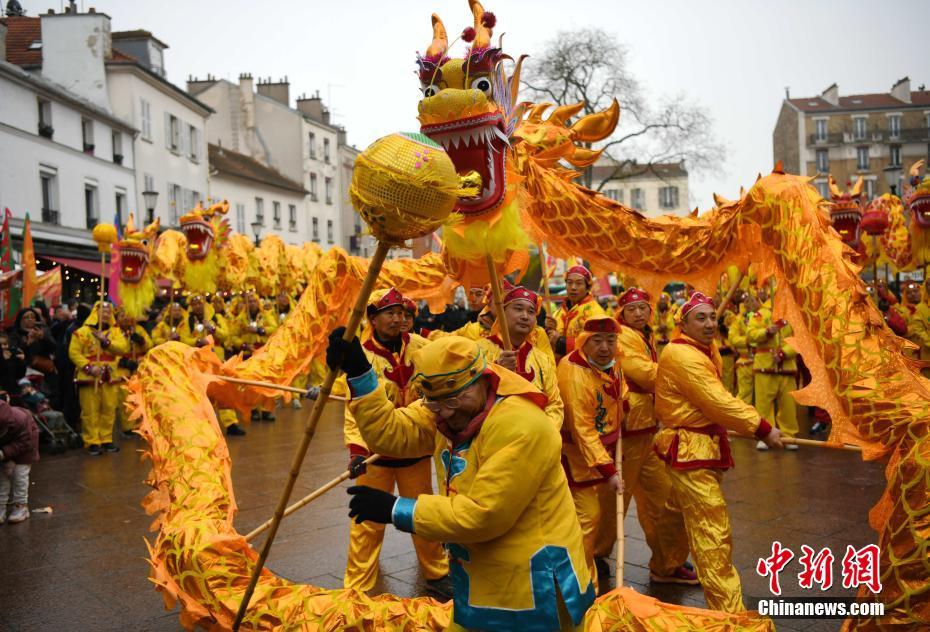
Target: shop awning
{"type": "Point", "coordinates": [84, 265]}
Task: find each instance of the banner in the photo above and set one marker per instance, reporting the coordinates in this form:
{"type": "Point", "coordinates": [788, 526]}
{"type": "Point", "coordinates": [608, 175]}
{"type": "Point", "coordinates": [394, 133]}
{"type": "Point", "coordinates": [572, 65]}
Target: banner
{"type": "Point", "coordinates": [28, 263]}
{"type": "Point", "coordinates": [10, 284]}
{"type": "Point", "coordinates": [48, 287]}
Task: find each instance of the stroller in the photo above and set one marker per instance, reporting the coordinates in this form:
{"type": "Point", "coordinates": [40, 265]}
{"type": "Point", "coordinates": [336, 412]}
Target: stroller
{"type": "Point", "coordinates": [55, 432]}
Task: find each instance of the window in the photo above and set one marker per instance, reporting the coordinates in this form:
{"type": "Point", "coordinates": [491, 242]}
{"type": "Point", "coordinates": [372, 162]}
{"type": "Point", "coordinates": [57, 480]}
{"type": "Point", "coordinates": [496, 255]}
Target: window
{"type": "Point", "coordinates": [823, 161]}
{"type": "Point", "coordinates": [193, 143]}
{"type": "Point", "coordinates": [174, 200]}
{"type": "Point", "coordinates": [91, 205]}
{"type": "Point", "coordinates": [240, 217]}
{"type": "Point", "coordinates": [869, 189]}
{"type": "Point", "coordinates": [313, 193]}
{"type": "Point", "coordinates": [311, 140]}
{"type": "Point", "coordinates": [276, 213]}
{"type": "Point", "coordinates": [326, 150]}
{"type": "Point", "coordinates": [292, 217]}
{"type": "Point", "coordinates": [329, 231]}
{"type": "Point", "coordinates": [860, 126]}
{"type": "Point", "coordinates": [120, 206]}
{"type": "Point", "coordinates": [145, 112]}
{"type": "Point", "coordinates": [614, 194]}
{"type": "Point", "coordinates": [172, 133]}
{"type": "Point", "coordinates": [894, 155]}
{"type": "Point", "coordinates": [316, 229]}
{"type": "Point", "coordinates": [45, 118]}
{"type": "Point", "coordinates": [668, 197]}
{"type": "Point", "coordinates": [117, 140]}
{"type": "Point", "coordinates": [823, 189]}
{"type": "Point", "coordinates": [260, 211]}
{"type": "Point", "coordinates": [820, 130]}
{"type": "Point", "coordinates": [329, 190]}
{"type": "Point", "coordinates": [194, 200]}
{"type": "Point", "coordinates": [862, 158]}
{"type": "Point", "coordinates": [894, 126]}
{"type": "Point", "coordinates": [636, 198]}
{"type": "Point", "coordinates": [87, 135]}
{"type": "Point", "coordinates": [48, 181]}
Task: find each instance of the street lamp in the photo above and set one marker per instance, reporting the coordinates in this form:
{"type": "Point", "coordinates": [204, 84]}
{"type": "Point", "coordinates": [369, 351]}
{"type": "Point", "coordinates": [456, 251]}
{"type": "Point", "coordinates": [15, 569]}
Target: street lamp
{"type": "Point", "coordinates": [892, 177]}
{"type": "Point", "coordinates": [257, 231]}
{"type": "Point", "coordinates": [151, 199]}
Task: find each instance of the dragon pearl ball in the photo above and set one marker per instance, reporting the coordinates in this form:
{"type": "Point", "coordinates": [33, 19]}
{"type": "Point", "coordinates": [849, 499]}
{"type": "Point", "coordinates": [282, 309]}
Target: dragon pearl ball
{"type": "Point", "coordinates": [405, 186]}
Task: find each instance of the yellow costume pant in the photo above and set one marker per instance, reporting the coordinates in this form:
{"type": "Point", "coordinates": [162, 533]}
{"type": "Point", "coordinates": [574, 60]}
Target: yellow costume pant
{"type": "Point", "coordinates": [729, 373]}
{"type": "Point", "coordinates": [365, 539]}
{"type": "Point", "coordinates": [226, 417]}
{"type": "Point", "coordinates": [125, 424]}
{"type": "Point", "coordinates": [98, 412]}
{"type": "Point", "coordinates": [698, 494]}
{"type": "Point", "coordinates": [565, 619]}
{"type": "Point", "coordinates": [744, 382]}
{"type": "Point", "coordinates": [775, 403]}
{"type": "Point", "coordinates": [645, 478]}
{"type": "Point", "coordinates": [596, 507]}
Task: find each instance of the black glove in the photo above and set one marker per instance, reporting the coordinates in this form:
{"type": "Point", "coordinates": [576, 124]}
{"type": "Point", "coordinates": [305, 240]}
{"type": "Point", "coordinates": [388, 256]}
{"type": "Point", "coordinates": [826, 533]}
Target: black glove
{"type": "Point", "coordinates": [347, 356]}
{"type": "Point", "coordinates": [137, 339]}
{"type": "Point", "coordinates": [126, 363]}
{"type": "Point", "coordinates": [312, 393]}
{"type": "Point", "coordinates": [357, 465]}
{"type": "Point", "coordinates": [371, 504]}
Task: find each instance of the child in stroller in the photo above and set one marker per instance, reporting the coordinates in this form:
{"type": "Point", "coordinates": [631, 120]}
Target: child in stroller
{"type": "Point", "coordinates": [51, 421]}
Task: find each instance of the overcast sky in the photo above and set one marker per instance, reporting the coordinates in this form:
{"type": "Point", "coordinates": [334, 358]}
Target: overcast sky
{"type": "Point", "coordinates": [734, 57]}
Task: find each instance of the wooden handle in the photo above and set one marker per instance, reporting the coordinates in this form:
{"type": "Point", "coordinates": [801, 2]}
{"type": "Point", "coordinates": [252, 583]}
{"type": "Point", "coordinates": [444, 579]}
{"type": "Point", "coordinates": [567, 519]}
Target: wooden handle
{"type": "Point", "coordinates": [280, 387]}
{"type": "Point", "coordinates": [808, 442]}
{"type": "Point", "coordinates": [730, 294]}
{"type": "Point", "coordinates": [306, 500]}
{"type": "Point", "coordinates": [355, 319]}
{"type": "Point", "coordinates": [499, 303]}
{"type": "Point", "coordinates": [621, 534]}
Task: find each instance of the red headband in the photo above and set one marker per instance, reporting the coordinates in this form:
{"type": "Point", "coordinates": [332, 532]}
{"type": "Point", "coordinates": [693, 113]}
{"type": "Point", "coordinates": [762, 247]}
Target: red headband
{"type": "Point", "coordinates": [697, 298]}
{"type": "Point", "coordinates": [580, 271]}
{"type": "Point", "coordinates": [410, 306]}
{"type": "Point", "coordinates": [634, 295]}
{"type": "Point", "coordinates": [520, 293]}
{"type": "Point", "coordinates": [602, 325]}
{"type": "Point", "coordinates": [391, 298]}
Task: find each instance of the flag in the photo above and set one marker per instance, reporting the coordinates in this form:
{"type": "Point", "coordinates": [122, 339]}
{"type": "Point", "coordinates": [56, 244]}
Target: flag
{"type": "Point", "coordinates": [29, 264]}
{"type": "Point", "coordinates": [9, 293]}
{"type": "Point", "coordinates": [6, 252]}
{"type": "Point", "coordinates": [48, 286]}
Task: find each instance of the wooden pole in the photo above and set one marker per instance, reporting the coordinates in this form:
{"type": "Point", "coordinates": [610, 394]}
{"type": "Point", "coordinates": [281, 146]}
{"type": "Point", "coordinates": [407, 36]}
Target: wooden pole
{"type": "Point", "coordinates": [280, 387]}
{"type": "Point", "coordinates": [100, 297]}
{"type": "Point", "coordinates": [544, 262]}
{"type": "Point", "coordinates": [621, 535]}
{"type": "Point", "coordinates": [730, 294]}
{"type": "Point", "coordinates": [306, 500]}
{"type": "Point", "coordinates": [355, 319]}
{"type": "Point", "coordinates": [808, 442]}
{"type": "Point", "coordinates": [499, 302]}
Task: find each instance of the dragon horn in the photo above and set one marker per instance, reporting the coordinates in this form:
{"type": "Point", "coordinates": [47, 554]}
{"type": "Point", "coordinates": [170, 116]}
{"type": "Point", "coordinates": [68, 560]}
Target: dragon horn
{"type": "Point", "coordinates": [482, 32]}
{"type": "Point", "coordinates": [130, 225]}
{"type": "Point", "coordinates": [915, 168]}
{"type": "Point", "coordinates": [440, 40]}
{"type": "Point", "coordinates": [834, 190]}
{"type": "Point", "coordinates": [857, 188]}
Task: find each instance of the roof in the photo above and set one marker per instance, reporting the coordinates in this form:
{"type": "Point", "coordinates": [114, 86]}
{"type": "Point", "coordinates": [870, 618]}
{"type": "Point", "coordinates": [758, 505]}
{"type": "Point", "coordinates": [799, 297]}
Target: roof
{"type": "Point", "coordinates": [21, 33]}
{"type": "Point", "coordinates": [136, 34]}
{"type": "Point", "coordinates": [234, 164]}
{"type": "Point", "coordinates": [606, 168]}
{"type": "Point", "coordinates": [877, 101]}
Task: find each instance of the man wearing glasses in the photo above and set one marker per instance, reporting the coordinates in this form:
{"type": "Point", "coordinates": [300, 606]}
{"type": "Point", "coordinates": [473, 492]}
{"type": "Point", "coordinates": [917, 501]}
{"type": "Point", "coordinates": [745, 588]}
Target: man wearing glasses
{"type": "Point", "coordinates": [518, 558]}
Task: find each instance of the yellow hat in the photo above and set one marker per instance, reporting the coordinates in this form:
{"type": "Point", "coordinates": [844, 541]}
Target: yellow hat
{"type": "Point", "coordinates": [448, 365]}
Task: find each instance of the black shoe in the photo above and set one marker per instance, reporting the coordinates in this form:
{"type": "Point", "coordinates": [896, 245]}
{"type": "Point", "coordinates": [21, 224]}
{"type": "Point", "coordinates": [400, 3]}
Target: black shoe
{"type": "Point", "coordinates": [603, 575]}
{"type": "Point", "coordinates": [441, 587]}
{"type": "Point", "coordinates": [256, 416]}
{"type": "Point", "coordinates": [129, 434]}
{"type": "Point", "coordinates": [95, 450]}
{"type": "Point", "coordinates": [266, 416]}
{"type": "Point", "coordinates": [110, 447]}
{"type": "Point", "coordinates": [235, 430]}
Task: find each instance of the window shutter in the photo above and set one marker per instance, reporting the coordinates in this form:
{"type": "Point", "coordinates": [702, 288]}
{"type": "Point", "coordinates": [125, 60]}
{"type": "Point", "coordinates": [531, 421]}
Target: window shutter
{"type": "Point", "coordinates": [185, 139]}
{"type": "Point", "coordinates": [167, 130]}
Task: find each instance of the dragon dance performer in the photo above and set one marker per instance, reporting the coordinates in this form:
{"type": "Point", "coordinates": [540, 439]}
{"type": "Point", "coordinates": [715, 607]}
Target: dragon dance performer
{"type": "Point", "coordinates": [138, 342]}
{"type": "Point", "coordinates": [738, 341]}
{"type": "Point", "coordinates": [389, 351]}
{"type": "Point", "coordinates": [775, 370]}
{"type": "Point", "coordinates": [95, 350]}
{"type": "Point", "coordinates": [592, 384]}
{"type": "Point", "coordinates": [251, 329]}
{"type": "Point", "coordinates": [410, 315]}
{"type": "Point", "coordinates": [526, 359]}
{"type": "Point", "coordinates": [916, 314]}
{"type": "Point", "coordinates": [579, 306]}
{"type": "Point", "coordinates": [644, 475]}
{"type": "Point", "coordinates": [518, 557]}
{"type": "Point", "coordinates": [663, 321]}
{"type": "Point", "coordinates": [172, 326]}
{"type": "Point", "coordinates": [696, 410]}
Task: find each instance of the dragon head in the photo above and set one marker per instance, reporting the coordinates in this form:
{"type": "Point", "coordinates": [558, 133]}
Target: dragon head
{"type": "Point", "coordinates": [135, 249]}
{"type": "Point", "coordinates": [846, 213]}
{"type": "Point", "coordinates": [204, 228]}
{"type": "Point", "coordinates": [917, 195]}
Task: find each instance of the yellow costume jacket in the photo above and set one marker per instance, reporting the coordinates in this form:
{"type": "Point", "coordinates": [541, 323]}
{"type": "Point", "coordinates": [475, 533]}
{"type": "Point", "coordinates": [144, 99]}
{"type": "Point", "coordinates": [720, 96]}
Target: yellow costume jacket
{"type": "Point", "coordinates": [161, 333]}
{"type": "Point", "coordinates": [241, 336]}
{"type": "Point", "coordinates": [504, 512]}
{"type": "Point", "coordinates": [570, 322]}
{"type": "Point", "coordinates": [918, 328]}
{"type": "Point", "coordinates": [766, 347]}
{"type": "Point", "coordinates": [394, 371]}
{"type": "Point", "coordinates": [737, 340]}
{"type": "Point", "coordinates": [593, 415]}
{"type": "Point", "coordinates": [696, 410]}
{"type": "Point", "coordinates": [472, 331]}
{"type": "Point", "coordinates": [534, 366]}
{"type": "Point", "coordinates": [668, 319]}
{"type": "Point", "coordinates": [86, 351]}
{"type": "Point", "coordinates": [136, 351]}
{"type": "Point", "coordinates": [638, 361]}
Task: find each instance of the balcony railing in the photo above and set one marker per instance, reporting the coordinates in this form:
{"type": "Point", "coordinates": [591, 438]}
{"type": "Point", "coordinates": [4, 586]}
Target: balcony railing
{"type": "Point", "coordinates": [50, 216]}
{"type": "Point", "coordinates": [915, 135]}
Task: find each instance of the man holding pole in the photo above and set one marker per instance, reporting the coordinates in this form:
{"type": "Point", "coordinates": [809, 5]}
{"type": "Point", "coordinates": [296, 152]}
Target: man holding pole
{"type": "Point", "coordinates": [518, 556]}
{"type": "Point", "coordinates": [579, 306]}
{"type": "Point", "coordinates": [696, 410]}
{"type": "Point", "coordinates": [389, 352]}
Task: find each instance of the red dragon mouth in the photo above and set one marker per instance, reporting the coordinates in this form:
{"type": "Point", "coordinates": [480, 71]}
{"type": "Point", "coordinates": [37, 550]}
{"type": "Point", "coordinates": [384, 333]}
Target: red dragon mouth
{"type": "Point", "coordinates": [846, 223]}
{"type": "Point", "coordinates": [132, 263]}
{"type": "Point", "coordinates": [199, 236]}
{"type": "Point", "coordinates": [920, 209]}
{"type": "Point", "coordinates": [477, 143]}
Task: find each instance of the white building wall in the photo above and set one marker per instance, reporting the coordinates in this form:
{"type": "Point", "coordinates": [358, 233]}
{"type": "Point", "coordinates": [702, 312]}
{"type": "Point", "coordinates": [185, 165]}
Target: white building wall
{"type": "Point", "coordinates": [324, 209]}
{"type": "Point", "coordinates": [622, 191]}
{"type": "Point", "coordinates": [241, 194]}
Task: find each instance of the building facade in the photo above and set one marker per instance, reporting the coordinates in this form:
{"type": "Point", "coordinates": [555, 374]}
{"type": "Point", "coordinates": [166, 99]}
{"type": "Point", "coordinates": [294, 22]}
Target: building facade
{"type": "Point", "coordinates": [656, 189]}
{"type": "Point", "coordinates": [875, 136]}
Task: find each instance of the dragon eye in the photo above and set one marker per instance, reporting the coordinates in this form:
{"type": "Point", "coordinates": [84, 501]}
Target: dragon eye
{"type": "Point", "coordinates": [483, 84]}
{"type": "Point", "coordinates": [145, 242]}
{"type": "Point", "coordinates": [430, 90]}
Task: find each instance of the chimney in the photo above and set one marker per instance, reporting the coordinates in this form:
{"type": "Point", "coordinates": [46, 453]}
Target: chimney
{"type": "Point", "coordinates": [2, 42]}
{"type": "Point", "coordinates": [75, 47]}
{"type": "Point", "coordinates": [341, 137]}
{"type": "Point", "coordinates": [196, 86]}
{"type": "Point", "coordinates": [280, 91]}
{"type": "Point", "coordinates": [831, 95]}
{"type": "Point", "coordinates": [312, 108]}
{"type": "Point", "coordinates": [787, 92]}
{"type": "Point", "coordinates": [902, 90]}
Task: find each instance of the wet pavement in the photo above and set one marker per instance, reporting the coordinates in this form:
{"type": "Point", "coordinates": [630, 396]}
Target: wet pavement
{"type": "Point", "coordinates": [83, 566]}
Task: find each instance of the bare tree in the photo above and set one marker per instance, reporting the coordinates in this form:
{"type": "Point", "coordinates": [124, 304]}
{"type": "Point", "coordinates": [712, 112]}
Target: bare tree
{"type": "Point", "coordinates": [591, 66]}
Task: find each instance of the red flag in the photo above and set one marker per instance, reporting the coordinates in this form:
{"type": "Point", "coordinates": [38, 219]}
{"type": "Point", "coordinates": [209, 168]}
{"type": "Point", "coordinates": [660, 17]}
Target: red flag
{"type": "Point", "coordinates": [6, 252]}
{"type": "Point", "coordinates": [29, 264]}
